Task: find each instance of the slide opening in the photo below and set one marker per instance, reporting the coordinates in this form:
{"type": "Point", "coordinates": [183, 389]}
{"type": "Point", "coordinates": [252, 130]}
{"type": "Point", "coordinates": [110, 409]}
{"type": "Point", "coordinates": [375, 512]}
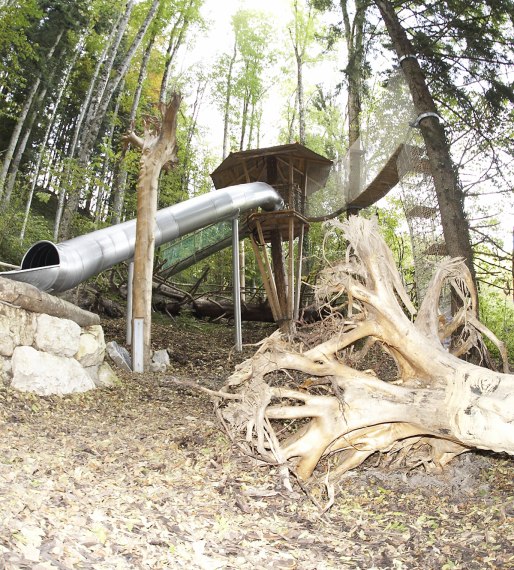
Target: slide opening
{"type": "Point", "coordinates": [41, 254]}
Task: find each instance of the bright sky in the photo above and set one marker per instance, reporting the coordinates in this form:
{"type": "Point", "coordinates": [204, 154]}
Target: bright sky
{"type": "Point", "coordinates": [219, 39]}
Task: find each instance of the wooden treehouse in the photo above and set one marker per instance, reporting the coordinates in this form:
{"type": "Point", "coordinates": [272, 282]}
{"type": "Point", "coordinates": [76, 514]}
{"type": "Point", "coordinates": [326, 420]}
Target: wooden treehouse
{"type": "Point", "coordinates": [296, 173]}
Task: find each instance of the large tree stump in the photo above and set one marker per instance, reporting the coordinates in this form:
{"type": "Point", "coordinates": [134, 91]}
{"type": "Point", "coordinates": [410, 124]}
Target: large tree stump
{"type": "Point", "coordinates": [296, 403]}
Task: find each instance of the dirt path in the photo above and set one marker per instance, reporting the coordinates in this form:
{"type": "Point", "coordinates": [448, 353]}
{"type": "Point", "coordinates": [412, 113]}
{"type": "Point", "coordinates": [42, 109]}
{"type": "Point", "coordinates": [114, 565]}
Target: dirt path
{"type": "Point", "coordinates": [140, 476]}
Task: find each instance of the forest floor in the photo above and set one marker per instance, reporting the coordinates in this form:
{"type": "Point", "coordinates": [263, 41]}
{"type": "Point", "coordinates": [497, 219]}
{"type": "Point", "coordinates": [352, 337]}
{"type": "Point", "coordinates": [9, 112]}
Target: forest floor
{"type": "Point", "coordinates": [140, 476]}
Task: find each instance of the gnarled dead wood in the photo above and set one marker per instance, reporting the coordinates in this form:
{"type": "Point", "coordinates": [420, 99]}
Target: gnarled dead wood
{"type": "Point", "coordinates": [437, 406]}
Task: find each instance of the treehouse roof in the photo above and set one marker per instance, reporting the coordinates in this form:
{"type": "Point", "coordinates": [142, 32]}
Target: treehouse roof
{"type": "Point", "coordinates": [280, 166]}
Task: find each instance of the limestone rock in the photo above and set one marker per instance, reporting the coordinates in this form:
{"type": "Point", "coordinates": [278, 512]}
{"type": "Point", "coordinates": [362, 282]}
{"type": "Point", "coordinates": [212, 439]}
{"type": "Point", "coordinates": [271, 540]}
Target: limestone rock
{"type": "Point", "coordinates": [17, 327]}
{"type": "Point", "coordinates": [160, 361]}
{"type": "Point", "coordinates": [119, 355]}
{"type": "Point", "coordinates": [91, 350]}
{"type": "Point", "coordinates": [6, 344]}
{"type": "Point", "coordinates": [45, 374]}
{"type": "Point", "coordinates": [102, 375]}
{"type": "Point", "coordinates": [5, 370]}
{"type": "Point", "coordinates": [106, 376]}
{"type": "Point", "coordinates": [60, 337]}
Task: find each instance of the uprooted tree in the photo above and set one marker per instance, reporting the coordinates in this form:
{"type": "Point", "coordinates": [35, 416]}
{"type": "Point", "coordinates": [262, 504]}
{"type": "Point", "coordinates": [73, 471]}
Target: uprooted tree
{"type": "Point", "coordinates": [301, 403]}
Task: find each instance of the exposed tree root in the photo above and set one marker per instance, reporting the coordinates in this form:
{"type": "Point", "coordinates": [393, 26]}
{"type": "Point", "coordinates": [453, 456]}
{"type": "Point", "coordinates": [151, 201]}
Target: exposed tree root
{"type": "Point", "coordinates": [300, 403]}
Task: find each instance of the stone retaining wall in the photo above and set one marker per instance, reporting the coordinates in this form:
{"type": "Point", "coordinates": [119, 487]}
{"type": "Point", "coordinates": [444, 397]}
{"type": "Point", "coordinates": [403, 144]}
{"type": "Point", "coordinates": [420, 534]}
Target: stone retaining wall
{"type": "Point", "coordinates": [50, 355]}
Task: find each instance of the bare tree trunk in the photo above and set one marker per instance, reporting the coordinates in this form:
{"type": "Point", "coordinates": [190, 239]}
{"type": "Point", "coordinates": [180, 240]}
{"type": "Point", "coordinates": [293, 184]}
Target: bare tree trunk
{"type": "Point", "coordinates": [86, 104]}
{"type": "Point", "coordinates": [186, 168]}
{"type": "Point", "coordinates": [121, 179]}
{"type": "Point", "coordinates": [293, 118]}
{"type": "Point", "coordinates": [104, 78]}
{"type": "Point", "coordinates": [299, 48]}
{"type": "Point", "coordinates": [101, 195]}
{"type": "Point", "coordinates": [93, 126]}
{"type": "Point", "coordinates": [244, 119]}
{"type": "Point", "coordinates": [15, 136]}
{"type": "Point", "coordinates": [226, 117]}
{"type": "Point", "coordinates": [157, 150]}
{"type": "Point", "coordinates": [174, 43]}
{"type": "Point", "coordinates": [46, 136]}
{"type": "Point", "coordinates": [118, 73]}
{"type": "Point", "coordinates": [448, 190]}
{"type": "Point", "coordinates": [20, 150]}
{"type": "Point", "coordinates": [301, 103]}
{"type": "Point", "coordinates": [354, 35]}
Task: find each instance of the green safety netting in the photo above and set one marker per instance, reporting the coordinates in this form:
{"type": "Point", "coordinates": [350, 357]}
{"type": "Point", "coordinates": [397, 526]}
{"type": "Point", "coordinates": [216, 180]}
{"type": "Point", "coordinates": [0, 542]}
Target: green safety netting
{"type": "Point", "coordinates": [189, 249]}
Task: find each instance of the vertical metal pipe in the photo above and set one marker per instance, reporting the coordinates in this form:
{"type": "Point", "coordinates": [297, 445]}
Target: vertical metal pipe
{"type": "Point", "coordinates": [236, 284]}
{"type": "Point", "coordinates": [129, 302]}
{"type": "Point", "coordinates": [138, 364]}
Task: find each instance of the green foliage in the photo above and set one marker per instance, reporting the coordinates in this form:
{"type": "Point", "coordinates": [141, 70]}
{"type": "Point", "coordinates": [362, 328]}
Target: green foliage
{"type": "Point", "coordinates": [241, 82]}
{"type": "Point", "coordinates": [43, 197]}
{"type": "Point", "coordinates": [326, 132]}
{"type": "Point", "coordinates": [497, 313]}
{"type": "Point", "coordinates": [38, 228]}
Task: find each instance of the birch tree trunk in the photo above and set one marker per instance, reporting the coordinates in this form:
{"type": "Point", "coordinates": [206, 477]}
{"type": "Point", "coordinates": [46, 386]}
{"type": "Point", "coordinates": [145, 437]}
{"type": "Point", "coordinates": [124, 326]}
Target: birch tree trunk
{"type": "Point", "coordinates": [299, 47]}
{"type": "Point", "coordinates": [15, 136]}
{"type": "Point", "coordinates": [226, 114]}
{"type": "Point", "coordinates": [101, 193]}
{"type": "Point", "coordinates": [20, 151]}
{"type": "Point", "coordinates": [354, 37]}
{"type": "Point", "coordinates": [117, 74]}
{"type": "Point", "coordinates": [92, 128]}
{"type": "Point", "coordinates": [111, 52]}
{"type": "Point", "coordinates": [44, 142]}
{"type": "Point", "coordinates": [76, 132]}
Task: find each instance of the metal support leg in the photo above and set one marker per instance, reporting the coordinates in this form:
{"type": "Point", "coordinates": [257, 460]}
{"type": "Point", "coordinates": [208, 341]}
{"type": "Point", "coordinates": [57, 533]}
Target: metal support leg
{"type": "Point", "coordinates": [128, 316]}
{"type": "Point", "coordinates": [237, 285]}
{"type": "Point", "coordinates": [138, 364]}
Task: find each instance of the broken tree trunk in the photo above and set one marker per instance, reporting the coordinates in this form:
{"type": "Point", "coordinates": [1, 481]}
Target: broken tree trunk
{"type": "Point", "coordinates": [297, 403]}
{"type": "Point", "coordinates": [158, 149]}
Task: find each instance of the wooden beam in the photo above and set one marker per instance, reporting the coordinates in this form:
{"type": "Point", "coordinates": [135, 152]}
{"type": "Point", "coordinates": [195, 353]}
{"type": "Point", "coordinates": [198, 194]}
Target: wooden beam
{"type": "Point", "coordinates": [298, 284]}
{"type": "Point", "coordinates": [277, 256]}
{"type": "Point", "coordinates": [268, 287]}
{"type": "Point", "coordinates": [290, 275]}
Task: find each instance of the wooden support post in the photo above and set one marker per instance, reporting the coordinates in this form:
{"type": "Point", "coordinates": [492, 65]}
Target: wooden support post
{"type": "Point", "coordinates": [236, 292]}
{"type": "Point", "coordinates": [290, 274]}
{"type": "Point", "coordinates": [130, 282]}
{"type": "Point", "coordinates": [298, 284]}
{"type": "Point", "coordinates": [277, 257]}
{"type": "Point", "coordinates": [269, 273]}
{"type": "Point", "coordinates": [158, 149]}
{"type": "Point", "coordinates": [272, 297]}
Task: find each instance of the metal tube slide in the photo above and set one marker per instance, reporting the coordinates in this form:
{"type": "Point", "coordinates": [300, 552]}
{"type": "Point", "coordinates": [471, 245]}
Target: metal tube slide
{"type": "Point", "coordinates": [62, 266]}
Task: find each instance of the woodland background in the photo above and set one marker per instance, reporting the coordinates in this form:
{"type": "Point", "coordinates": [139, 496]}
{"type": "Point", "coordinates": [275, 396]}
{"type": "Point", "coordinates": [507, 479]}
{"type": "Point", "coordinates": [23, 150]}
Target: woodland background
{"type": "Point", "coordinates": [76, 76]}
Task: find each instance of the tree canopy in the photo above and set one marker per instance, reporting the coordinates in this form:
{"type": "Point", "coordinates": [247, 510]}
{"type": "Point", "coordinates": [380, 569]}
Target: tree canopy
{"type": "Point", "coordinates": [77, 76]}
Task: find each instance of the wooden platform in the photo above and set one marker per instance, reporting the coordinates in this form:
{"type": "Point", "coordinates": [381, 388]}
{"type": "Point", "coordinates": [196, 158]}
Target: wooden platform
{"type": "Point", "coordinates": [281, 221]}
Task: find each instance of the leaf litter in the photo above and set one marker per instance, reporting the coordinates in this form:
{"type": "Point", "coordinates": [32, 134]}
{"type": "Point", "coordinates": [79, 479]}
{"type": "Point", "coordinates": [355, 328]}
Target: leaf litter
{"type": "Point", "coordinates": [140, 476]}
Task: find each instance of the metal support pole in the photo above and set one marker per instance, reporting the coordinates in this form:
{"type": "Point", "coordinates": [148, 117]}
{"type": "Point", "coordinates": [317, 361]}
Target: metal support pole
{"type": "Point", "coordinates": [138, 357]}
{"type": "Point", "coordinates": [237, 284]}
{"type": "Point", "coordinates": [128, 315]}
